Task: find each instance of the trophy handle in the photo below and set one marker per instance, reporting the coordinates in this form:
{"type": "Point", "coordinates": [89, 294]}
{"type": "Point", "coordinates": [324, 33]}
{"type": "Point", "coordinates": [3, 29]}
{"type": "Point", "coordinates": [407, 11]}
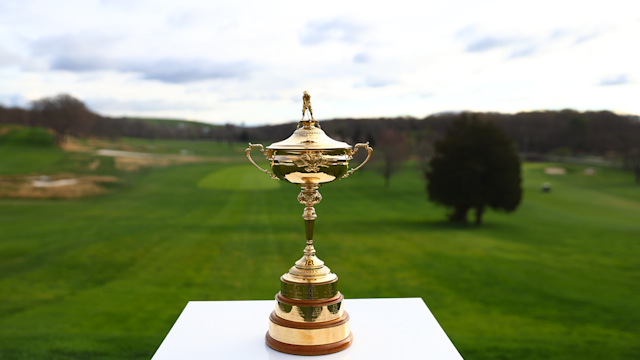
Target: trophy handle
{"type": "Point", "coordinates": [265, 153]}
{"type": "Point", "coordinates": [353, 151]}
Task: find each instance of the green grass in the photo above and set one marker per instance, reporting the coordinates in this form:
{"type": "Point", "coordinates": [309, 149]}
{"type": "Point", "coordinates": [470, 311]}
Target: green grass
{"type": "Point", "coordinates": [106, 277]}
{"type": "Point", "coordinates": [241, 177]}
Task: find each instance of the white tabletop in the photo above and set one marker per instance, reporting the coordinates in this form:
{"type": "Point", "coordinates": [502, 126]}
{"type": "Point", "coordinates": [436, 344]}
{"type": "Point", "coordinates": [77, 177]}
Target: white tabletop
{"type": "Point", "coordinates": [381, 328]}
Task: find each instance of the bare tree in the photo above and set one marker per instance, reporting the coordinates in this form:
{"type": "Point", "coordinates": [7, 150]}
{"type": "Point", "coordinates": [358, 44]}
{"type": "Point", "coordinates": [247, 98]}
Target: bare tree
{"type": "Point", "coordinates": [394, 151]}
{"type": "Point", "coordinates": [64, 114]}
{"type": "Point", "coordinates": [14, 116]}
{"type": "Point", "coordinates": [425, 140]}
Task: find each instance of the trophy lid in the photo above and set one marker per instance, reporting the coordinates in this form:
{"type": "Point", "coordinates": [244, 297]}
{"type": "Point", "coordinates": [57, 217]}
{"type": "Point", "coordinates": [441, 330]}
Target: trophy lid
{"type": "Point", "coordinates": [312, 138]}
{"type": "Point", "coordinates": [308, 135]}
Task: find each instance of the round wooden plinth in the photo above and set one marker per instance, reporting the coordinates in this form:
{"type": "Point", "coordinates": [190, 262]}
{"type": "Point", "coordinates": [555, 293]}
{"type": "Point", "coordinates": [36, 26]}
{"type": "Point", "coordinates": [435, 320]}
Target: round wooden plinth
{"type": "Point", "coordinates": [309, 349]}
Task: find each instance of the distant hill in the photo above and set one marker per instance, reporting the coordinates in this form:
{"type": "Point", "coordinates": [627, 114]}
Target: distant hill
{"type": "Point", "coordinates": [176, 123]}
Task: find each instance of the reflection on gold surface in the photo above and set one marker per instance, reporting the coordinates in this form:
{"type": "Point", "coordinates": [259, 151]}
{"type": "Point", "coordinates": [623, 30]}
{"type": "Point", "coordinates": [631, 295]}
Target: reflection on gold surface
{"type": "Point", "coordinates": [309, 336]}
{"type": "Point", "coordinates": [301, 178]}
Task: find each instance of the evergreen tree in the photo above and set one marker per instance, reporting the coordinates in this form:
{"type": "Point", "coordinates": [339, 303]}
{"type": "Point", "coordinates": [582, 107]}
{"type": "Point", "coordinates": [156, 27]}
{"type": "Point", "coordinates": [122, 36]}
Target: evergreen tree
{"type": "Point", "coordinates": [474, 166]}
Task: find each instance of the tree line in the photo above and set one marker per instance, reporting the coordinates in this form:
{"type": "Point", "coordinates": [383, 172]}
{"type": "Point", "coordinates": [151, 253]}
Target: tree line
{"type": "Point", "coordinates": [565, 132]}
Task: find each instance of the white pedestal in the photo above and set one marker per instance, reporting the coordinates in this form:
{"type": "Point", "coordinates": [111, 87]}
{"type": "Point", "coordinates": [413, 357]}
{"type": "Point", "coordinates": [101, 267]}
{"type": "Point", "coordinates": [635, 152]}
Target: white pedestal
{"type": "Point", "coordinates": [381, 328]}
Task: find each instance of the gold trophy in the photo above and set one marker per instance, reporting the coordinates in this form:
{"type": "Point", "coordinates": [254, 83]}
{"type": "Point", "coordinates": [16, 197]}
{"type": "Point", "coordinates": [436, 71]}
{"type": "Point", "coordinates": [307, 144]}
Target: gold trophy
{"type": "Point", "coordinates": [309, 318]}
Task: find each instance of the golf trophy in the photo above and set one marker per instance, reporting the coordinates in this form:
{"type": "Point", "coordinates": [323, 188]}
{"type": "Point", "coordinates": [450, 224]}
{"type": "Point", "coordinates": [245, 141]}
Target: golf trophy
{"type": "Point", "coordinates": [309, 318]}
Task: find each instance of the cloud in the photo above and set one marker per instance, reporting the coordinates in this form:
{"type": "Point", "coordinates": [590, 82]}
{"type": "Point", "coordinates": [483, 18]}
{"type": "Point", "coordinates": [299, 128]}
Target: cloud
{"type": "Point", "coordinates": [185, 19]}
{"type": "Point", "coordinates": [182, 71]}
{"type": "Point", "coordinates": [332, 30]}
{"type": "Point", "coordinates": [375, 82]}
{"type": "Point", "coordinates": [361, 58]}
{"type": "Point", "coordinates": [577, 35]}
{"type": "Point", "coordinates": [83, 54]}
{"type": "Point", "coordinates": [12, 59]}
{"type": "Point", "coordinates": [110, 104]}
{"type": "Point", "coordinates": [73, 45]}
{"type": "Point", "coordinates": [80, 63]}
{"type": "Point", "coordinates": [618, 79]}
{"type": "Point", "coordinates": [482, 43]}
{"type": "Point", "coordinates": [78, 53]}
{"type": "Point", "coordinates": [269, 97]}
{"type": "Point", "coordinates": [467, 31]}
{"type": "Point", "coordinates": [520, 46]}
{"type": "Point", "coordinates": [524, 51]}
{"type": "Point", "coordinates": [585, 37]}
{"type": "Point", "coordinates": [173, 71]}
{"type": "Point", "coordinates": [488, 43]}
{"type": "Point", "coordinates": [8, 58]}
{"type": "Point", "coordinates": [14, 100]}
{"type": "Point", "coordinates": [560, 33]}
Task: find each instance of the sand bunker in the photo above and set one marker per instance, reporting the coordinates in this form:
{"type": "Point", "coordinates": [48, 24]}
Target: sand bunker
{"type": "Point", "coordinates": [132, 161]}
{"type": "Point", "coordinates": [60, 186]}
{"type": "Point", "coordinates": [44, 181]}
{"type": "Point", "coordinates": [555, 171]}
{"type": "Point", "coordinates": [70, 144]}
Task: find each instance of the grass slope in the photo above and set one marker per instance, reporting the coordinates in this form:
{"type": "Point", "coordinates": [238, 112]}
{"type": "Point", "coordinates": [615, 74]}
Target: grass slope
{"type": "Point", "coordinates": [23, 150]}
{"type": "Point", "coordinates": [106, 277]}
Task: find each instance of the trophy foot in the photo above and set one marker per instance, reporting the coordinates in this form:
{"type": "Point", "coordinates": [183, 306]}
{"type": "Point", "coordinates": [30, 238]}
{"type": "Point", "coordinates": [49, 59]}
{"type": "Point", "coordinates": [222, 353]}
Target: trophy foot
{"type": "Point", "coordinates": [309, 334]}
{"type": "Point", "coordinates": [309, 350]}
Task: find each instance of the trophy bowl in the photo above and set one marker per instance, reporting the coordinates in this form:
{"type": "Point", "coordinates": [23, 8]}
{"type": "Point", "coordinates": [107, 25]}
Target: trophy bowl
{"type": "Point", "coordinates": [309, 157]}
{"type": "Point", "coordinates": [309, 318]}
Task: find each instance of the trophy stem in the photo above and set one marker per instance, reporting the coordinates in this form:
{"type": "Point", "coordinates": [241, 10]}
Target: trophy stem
{"type": "Point", "coordinates": [309, 196]}
{"type": "Point", "coordinates": [308, 228]}
{"type": "Point", "coordinates": [309, 250]}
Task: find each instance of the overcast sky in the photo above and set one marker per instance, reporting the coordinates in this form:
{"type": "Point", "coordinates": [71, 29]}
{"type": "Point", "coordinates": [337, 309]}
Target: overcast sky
{"type": "Point", "coordinates": [249, 61]}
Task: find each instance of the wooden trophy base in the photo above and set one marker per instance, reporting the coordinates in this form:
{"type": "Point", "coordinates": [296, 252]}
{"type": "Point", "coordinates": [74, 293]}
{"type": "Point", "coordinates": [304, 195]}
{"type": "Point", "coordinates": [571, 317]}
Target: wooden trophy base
{"type": "Point", "coordinates": [309, 349]}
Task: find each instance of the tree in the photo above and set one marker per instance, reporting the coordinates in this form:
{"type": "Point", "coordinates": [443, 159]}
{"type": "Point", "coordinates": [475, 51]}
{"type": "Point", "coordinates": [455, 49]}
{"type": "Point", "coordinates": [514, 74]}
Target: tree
{"type": "Point", "coordinates": [229, 133]}
{"type": "Point", "coordinates": [64, 114]}
{"type": "Point", "coordinates": [473, 167]}
{"type": "Point", "coordinates": [632, 162]}
{"type": "Point", "coordinates": [394, 152]}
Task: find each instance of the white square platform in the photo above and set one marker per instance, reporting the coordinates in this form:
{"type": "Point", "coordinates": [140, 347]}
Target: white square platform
{"type": "Point", "coordinates": [381, 328]}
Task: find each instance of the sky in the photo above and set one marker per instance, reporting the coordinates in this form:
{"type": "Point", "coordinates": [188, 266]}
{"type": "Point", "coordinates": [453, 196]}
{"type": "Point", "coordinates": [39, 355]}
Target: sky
{"type": "Point", "coordinates": [248, 62]}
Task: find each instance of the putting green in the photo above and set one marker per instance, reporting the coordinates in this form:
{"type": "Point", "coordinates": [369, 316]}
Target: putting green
{"type": "Point", "coordinates": [242, 177]}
